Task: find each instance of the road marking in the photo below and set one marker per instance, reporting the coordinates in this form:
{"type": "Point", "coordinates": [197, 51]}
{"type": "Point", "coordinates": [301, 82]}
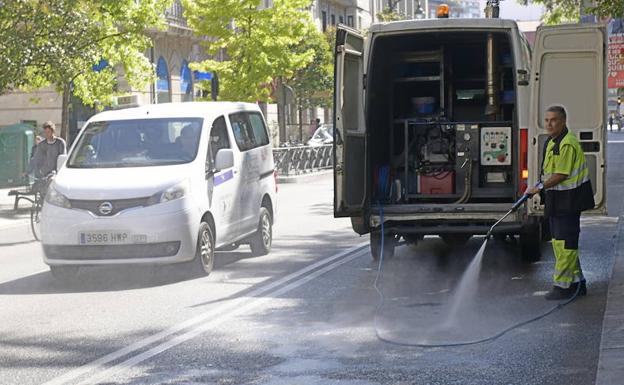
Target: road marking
{"type": "Point", "coordinates": [615, 141]}
{"type": "Point", "coordinates": [215, 316]}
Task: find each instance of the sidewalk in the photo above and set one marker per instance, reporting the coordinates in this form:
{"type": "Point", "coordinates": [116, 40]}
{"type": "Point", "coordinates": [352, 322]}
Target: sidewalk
{"type": "Point", "coordinates": [611, 360]}
{"type": "Point", "coordinates": [8, 216]}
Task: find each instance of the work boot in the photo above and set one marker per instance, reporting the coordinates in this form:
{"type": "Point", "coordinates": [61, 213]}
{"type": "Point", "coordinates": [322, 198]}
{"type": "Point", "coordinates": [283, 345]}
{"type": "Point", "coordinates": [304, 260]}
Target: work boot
{"type": "Point", "coordinates": [558, 293]}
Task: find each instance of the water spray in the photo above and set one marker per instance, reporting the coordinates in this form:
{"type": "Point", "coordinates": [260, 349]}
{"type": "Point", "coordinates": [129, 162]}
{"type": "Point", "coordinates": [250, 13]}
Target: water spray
{"type": "Point", "coordinates": [474, 266]}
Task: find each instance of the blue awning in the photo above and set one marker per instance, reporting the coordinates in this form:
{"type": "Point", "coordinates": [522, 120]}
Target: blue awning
{"type": "Point", "coordinates": [200, 75]}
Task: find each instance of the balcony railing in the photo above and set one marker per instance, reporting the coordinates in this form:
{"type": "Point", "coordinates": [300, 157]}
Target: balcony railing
{"type": "Point", "coordinates": [175, 15]}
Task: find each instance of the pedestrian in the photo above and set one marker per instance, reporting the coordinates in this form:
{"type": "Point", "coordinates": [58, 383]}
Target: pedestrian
{"type": "Point", "coordinates": [313, 127]}
{"type": "Point", "coordinates": [43, 162]}
{"type": "Point", "coordinates": [611, 122]}
{"type": "Point", "coordinates": [568, 192]}
{"type": "Point", "coordinates": [32, 149]}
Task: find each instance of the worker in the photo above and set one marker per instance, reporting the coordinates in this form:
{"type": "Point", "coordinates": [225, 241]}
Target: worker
{"type": "Point", "coordinates": [568, 192]}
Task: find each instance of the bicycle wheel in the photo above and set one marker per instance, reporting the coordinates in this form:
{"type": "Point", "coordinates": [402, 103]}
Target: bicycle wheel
{"type": "Point", "coordinates": [35, 217]}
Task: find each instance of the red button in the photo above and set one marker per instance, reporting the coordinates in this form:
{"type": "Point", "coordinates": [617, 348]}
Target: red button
{"type": "Point", "coordinates": [501, 158]}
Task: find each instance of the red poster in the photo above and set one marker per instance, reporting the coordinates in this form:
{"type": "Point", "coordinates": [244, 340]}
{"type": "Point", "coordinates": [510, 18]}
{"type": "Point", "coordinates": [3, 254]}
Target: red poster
{"type": "Point", "coordinates": [615, 57]}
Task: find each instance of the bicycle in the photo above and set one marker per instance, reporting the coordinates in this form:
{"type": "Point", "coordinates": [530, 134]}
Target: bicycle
{"type": "Point", "coordinates": [39, 189]}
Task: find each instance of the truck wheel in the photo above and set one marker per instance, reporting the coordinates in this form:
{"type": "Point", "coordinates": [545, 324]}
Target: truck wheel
{"type": "Point", "coordinates": [390, 242]}
{"type": "Point", "coordinates": [530, 243]}
{"type": "Point", "coordinates": [455, 240]}
{"type": "Point", "coordinates": [260, 242]}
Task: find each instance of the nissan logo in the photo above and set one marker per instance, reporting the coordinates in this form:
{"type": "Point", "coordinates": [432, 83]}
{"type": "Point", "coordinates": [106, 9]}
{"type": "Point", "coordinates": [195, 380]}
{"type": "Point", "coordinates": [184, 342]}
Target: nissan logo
{"type": "Point", "coordinates": [105, 208]}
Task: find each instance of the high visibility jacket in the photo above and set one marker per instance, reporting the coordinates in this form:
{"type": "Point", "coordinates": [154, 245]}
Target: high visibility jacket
{"type": "Point", "coordinates": [564, 155]}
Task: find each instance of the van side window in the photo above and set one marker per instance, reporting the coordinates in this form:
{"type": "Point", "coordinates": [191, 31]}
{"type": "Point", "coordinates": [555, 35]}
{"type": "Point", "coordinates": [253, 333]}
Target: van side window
{"type": "Point", "coordinates": [259, 129]}
{"type": "Point", "coordinates": [218, 138]}
{"type": "Point", "coordinates": [243, 132]}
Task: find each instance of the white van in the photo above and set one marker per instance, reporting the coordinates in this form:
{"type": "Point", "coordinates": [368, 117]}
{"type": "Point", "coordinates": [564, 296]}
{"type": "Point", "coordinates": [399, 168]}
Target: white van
{"type": "Point", "coordinates": [162, 184]}
{"type": "Point", "coordinates": [439, 125]}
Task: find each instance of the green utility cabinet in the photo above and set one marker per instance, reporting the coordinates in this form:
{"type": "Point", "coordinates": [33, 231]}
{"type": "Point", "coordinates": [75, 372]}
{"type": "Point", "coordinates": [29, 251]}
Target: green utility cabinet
{"type": "Point", "coordinates": [16, 142]}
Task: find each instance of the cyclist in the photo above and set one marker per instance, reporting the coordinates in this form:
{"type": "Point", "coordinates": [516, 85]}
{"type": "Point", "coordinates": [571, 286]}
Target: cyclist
{"type": "Point", "coordinates": [43, 162]}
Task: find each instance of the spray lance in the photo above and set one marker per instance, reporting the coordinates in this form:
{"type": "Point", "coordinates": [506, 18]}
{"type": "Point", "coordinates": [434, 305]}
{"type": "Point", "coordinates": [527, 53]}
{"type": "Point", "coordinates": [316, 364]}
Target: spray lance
{"type": "Point", "coordinates": [513, 209]}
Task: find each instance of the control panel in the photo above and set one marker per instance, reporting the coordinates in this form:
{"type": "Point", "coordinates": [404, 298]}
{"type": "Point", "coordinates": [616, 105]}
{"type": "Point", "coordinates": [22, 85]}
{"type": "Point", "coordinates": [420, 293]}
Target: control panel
{"type": "Point", "coordinates": [495, 146]}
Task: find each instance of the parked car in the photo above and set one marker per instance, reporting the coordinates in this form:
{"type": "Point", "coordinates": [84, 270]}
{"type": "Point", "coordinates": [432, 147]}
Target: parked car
{"type": "Point", "coordinates": [162, 184]}
{"type": "Point", "coordinates": [323, 135]}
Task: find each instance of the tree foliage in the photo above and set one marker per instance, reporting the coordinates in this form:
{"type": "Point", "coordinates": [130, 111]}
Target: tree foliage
{"type": "Point", "coordinates": [250, 47]}
{"type": "Point", "coordinates": [562, 11]}
{"type": "Point", "coordinates": [313, 84]}
{"type": "Point", "coordinates": [58, 42]}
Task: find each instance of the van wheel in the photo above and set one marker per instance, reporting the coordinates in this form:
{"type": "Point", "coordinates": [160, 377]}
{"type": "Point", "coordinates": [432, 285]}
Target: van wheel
{"type": "Point", "coordinates": [390, 242]}
{"type": "Point", "coordinates": [530, 243]}
{"type": "Point", "coordinates": [64, 273]}
{"type": "Point", "coordinates": [455, 240]}
{"type": "Point", "coordinates": [204, 255]}
{"type": "Point", "coordinates": [260, 242]}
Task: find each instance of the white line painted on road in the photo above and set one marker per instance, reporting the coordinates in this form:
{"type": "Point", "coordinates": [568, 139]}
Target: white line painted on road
{"type": "Point", "coordinates": [244, 308]}
{"type": "Point", "coordinates": [219, 311]}
{"type": "Point", "coordinates": [615, 141]}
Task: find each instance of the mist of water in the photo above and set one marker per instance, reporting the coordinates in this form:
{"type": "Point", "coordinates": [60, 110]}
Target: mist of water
{"type": "Point", "coordinates": [465, 293]}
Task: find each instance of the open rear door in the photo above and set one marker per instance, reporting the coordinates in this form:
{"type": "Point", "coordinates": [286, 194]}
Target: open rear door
{"type": "Point", "coordinates": [350, 133]}
{"type": "Point", "coordinates": [569, 69]}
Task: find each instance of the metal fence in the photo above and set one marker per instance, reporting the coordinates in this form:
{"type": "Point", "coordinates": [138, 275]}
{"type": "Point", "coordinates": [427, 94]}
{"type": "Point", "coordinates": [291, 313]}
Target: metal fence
{"type": "Point", "coordinates": [302, 159]}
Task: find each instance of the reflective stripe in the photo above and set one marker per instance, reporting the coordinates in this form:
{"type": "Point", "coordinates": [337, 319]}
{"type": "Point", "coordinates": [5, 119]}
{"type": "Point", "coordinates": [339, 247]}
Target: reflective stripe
{"type": "Point", "coordinates": [569, 185]}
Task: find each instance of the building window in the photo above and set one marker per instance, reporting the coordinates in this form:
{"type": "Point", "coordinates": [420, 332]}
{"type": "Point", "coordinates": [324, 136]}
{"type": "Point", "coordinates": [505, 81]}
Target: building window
{"type": "Point", "coordinates": [350, 21]}
{"type": "Point", "coordinates": [186, 82]}
{"type": "Point", "coordinates": [324, 20]}
{"type": "Point", "coordinates": [341, 19]}
{"type": "Point", "coordinates": [333, 19]}
{"type": "Point", "coordinates": [163, 90]}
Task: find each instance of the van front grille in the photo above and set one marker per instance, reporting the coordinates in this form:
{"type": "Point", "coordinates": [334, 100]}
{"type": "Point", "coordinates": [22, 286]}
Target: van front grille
{"type": "Point", "coordinates": [107, 208]}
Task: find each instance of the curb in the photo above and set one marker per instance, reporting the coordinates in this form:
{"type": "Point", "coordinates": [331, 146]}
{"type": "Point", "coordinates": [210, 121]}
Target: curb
{"type": "Point", "coordinates": [304, 178]}
{"type": "Point", "coordinates": [14, 223]}
{"type": "Point", "coordinates": [610, 369]}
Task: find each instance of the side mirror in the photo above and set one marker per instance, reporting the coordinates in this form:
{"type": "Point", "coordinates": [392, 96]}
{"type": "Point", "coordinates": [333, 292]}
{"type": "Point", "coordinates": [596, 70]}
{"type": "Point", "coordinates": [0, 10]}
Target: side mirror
{"type": "Point", "coordinates": [60, 161]}
{"type": "Point", "coordinates": [224, 159]}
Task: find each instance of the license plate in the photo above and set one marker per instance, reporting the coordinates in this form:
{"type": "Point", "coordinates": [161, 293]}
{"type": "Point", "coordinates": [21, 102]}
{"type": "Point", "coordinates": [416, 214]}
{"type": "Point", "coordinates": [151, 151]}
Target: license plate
{"type": "Point", "coordinates": [104, 238]}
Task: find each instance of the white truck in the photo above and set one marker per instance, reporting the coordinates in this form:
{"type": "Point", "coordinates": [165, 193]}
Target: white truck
{"type": "Point", "coordinates": [439, 125]}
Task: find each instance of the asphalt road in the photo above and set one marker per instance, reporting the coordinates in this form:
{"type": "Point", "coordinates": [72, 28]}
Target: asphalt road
{"type": "Point", "coordinates": [307, 314]}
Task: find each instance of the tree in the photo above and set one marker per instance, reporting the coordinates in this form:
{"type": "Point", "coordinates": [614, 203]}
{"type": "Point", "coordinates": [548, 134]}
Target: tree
{"type": "Point", "coordinates": [59, 42]}
{"type": "Point", "coordinates": [313, 84]}
{"type": "Point", "coordinates": [255, 44]}
{"type": "Point", "coordinates": [561, 11]}
{"type": "Point", "coordinates": [390, 14]}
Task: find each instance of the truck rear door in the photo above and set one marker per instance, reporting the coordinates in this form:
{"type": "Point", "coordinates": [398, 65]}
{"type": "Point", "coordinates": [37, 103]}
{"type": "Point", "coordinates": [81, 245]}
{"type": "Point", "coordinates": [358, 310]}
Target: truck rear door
{"type": "Point", "coordinates": [569, 69]}
{"type": "Point", "coordinates": [350, 133]}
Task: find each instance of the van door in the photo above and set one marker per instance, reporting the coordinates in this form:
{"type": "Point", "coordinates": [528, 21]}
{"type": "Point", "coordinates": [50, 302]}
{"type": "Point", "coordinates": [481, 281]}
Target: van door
{"type": "Point", "coordinates": [222, 186]}
{"type": "Point", "coordinates": [350, 161]}
{"type": "Point", "coordinates": [569, 68]}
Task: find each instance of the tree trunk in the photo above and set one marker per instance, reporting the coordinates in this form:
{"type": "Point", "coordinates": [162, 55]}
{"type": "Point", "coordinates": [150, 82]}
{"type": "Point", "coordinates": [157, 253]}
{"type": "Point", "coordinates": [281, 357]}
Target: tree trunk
{"type": "Point", "coordinates": [281, 111]}
{"type": "Point", "coordinates": [65, 113]}
{"type": "Point", "coordinates": [300, 122]}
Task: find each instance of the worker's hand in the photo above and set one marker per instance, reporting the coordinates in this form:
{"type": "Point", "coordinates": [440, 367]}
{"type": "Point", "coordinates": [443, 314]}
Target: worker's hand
{"type": "Point", "coordinates": [530, 191]}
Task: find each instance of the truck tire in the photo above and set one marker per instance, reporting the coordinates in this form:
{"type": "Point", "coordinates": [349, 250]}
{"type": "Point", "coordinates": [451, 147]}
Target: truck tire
{"type": "Point", "coordinates": [530, 243]}
{"type": "Point", "coordinates": [375, 245]}
{"type": "Point", "coordinates": [455, 240]}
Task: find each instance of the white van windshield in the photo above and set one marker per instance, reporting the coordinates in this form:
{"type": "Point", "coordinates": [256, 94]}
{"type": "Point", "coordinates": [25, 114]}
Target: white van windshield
{"type": "Point", "coordinates": [137, 143]}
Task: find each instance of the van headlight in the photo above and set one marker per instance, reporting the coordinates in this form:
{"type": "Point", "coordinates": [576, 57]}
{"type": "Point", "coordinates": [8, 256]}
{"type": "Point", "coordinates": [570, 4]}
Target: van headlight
{"type": "Point", "coordinates": [55, 198]}
{"type": "Point", "coordinates": [177, 191]}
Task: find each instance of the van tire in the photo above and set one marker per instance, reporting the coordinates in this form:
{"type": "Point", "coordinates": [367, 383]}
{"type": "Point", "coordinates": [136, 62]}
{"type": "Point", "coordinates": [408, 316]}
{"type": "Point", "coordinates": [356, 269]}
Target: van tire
{"type": "Point", "coordinates": [530, 243]}
{"type": "Point", "coordinates": [64, 273]}
{"type": "Point", "coordinates": [455, 240]}
{"type": "Point", "coordinates": [260, 243]}
{"type": "Point", "coordinates": [390, 242]}
{"type": "Point", "coordinates": [204, 254]}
